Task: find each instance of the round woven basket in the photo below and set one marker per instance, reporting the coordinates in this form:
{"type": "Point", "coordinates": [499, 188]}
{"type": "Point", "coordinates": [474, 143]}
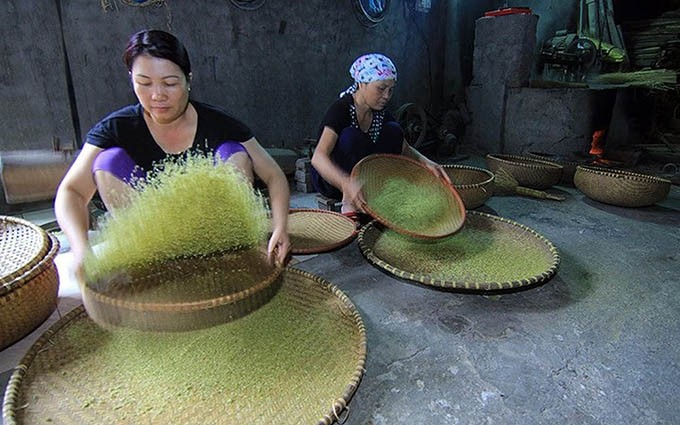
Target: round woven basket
{"type": "Point", "coordinates": [489, 253]}
{"type": "Point", "coordinates": [185, 293]}
{"type": "Point", "coordinates": [529, 172]}
{"type": "Point", "coordinates": [29, 283]}
{"type": "Point", "coordinates": [568, 167]}
{"type": "Point", "coordinates": [404, 210]}
{"type": "Point", "coordinates": [314, 231]}
{"type": "Point", "coordinates": [474, 185]}
{"type": "Point", "coordinates": [296, 360]}
{"type": "Point", "coordinates": [620, 187]}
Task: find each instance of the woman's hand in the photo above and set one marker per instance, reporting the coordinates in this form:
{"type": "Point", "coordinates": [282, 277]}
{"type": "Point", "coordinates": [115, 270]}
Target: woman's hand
{"type": "Point", "coordinates": [278, 247]}
{"type": "Point", "coordinates": [352, 196]}
{"type": "Point", "coordinates": [437, 170]}
{"type": "Point", "coordinates": [78, 261]}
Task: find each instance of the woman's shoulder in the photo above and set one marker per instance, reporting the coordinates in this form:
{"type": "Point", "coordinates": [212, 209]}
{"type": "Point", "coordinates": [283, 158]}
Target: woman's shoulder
{"type": "Point", "coordinates": [340, 105]}
{"type": "Point", "coordinates": [215, 119]}
{"type": "Point", "coordinates": [126, 117]}
{"type": "Point", "coordinates": [344, 100]}
{"type": "Point", "coordinates": [210, 113]}
{"type": "Point", "coordinates": [207, 109]}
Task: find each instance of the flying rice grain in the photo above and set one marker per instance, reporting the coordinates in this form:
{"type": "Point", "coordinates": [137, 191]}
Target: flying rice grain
{"type": "Point", "coordinates": [186, 208]}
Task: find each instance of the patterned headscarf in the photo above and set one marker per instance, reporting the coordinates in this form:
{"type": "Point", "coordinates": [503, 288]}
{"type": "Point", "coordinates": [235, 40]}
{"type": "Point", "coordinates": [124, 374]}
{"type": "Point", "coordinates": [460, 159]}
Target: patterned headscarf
{"type": "Point", "coordinates": [368, 68]}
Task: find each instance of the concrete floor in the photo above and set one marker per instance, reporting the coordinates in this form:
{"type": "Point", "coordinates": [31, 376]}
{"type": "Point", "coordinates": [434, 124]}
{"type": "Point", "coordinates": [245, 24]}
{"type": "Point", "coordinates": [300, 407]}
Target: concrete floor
{"type": "Point", "coordinates": [597, 344]}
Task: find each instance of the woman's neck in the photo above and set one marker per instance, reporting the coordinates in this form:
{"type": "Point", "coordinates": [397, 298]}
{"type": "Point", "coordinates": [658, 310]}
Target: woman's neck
{"type": "Point", "coordinates": [176, 136]}
{"type": "Point", "coordinates": [364, 112]}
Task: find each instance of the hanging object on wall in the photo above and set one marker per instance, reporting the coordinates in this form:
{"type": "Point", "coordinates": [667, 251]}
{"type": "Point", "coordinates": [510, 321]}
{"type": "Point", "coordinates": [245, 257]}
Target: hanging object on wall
{"type": "Point", "coordinates": [109, 5]}
{"type": "Point", "coordinates": [370, 12]}
{"type": "Point", "coordinates": [248, 4]}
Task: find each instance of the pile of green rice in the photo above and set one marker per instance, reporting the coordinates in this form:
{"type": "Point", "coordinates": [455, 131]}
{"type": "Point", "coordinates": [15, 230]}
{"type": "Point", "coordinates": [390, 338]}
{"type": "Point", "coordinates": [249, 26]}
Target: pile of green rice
{"type": "Point", "coordinates": [410, 206]}
{"type": "Point", "coordinates": [185, 208]}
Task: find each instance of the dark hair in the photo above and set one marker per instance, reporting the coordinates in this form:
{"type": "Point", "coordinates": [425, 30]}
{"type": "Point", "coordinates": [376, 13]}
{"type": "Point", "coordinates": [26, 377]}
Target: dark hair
{"type": "Point", "coordinates": [158, 44]}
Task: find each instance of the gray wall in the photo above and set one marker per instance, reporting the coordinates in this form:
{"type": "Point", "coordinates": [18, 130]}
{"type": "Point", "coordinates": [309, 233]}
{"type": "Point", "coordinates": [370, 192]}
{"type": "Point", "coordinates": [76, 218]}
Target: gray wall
{"type": "Point", "coordinates": [276, 68]}
{"type": "Point", "coordinates": [34, 104]}
{"type": "Point", "coordinates": [553, 15]}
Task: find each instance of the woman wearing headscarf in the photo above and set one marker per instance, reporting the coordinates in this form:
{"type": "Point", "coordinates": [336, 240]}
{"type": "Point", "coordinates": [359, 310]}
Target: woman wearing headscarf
{"type": "Point", "coordinates": [357, 125]}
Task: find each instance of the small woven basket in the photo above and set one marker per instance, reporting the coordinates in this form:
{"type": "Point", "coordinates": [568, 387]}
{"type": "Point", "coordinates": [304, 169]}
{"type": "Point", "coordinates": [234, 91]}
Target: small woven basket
{"type": "Point", "coordinates": [314, 231]}
{"type": "Point", "coordinates": [620, 187]}
{"type": "Point", "coordinates": [375, 172]}
{"type": "Point", "coordinates": [474, 185]}
{"type": "Point", "coordinates": [29, 283]}
{"type": "Point", "coordinates": [529, 172]}
{"type": "Point", "coordinates": [569, 167]}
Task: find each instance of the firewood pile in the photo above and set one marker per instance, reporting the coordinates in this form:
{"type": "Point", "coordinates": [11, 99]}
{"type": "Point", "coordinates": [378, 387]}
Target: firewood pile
{"type": "Point", "coordinates": [654, 43]}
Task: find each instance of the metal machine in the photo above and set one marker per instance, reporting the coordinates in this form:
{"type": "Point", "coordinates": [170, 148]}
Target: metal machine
{"type": "Point", "coordinates": [597, 46]}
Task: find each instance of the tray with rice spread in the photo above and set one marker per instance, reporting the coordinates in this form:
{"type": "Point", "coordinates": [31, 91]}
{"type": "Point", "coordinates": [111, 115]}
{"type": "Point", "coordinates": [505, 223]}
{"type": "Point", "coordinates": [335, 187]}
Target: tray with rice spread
{"type": "Point", "coordinates": [489, 253]}
{"type": "Point", "coordinates": [296, 360]}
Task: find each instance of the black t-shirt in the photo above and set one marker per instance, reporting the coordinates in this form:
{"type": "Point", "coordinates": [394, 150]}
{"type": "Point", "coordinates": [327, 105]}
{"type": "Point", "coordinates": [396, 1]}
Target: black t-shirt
{"type": "Point", "coordinates": [338, 116]}
{"type": "Point", "coordinates": [127, 129]}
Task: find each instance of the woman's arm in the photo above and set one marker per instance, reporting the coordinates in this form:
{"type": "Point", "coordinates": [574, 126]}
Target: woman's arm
{"type": "Point", "coordinates": [336, 176]}
{"type": "Point", "coordinates": [71, 202]}
{"type": "Point", "coordinates": [411, 152]}
{"type": "Point", "coordinates": [279, 193]}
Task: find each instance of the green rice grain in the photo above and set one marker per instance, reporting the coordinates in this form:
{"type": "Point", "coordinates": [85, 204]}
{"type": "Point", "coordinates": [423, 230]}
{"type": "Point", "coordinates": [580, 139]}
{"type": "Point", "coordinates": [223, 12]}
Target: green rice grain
{"type": "Point", "coordinates": [476, 254]}
{"type": "Point", "coordinates": [410, 206]}
{"type": "Point", "coordinates": [186, 208]}
{"type": "Point", "coordinates": [284, 363]}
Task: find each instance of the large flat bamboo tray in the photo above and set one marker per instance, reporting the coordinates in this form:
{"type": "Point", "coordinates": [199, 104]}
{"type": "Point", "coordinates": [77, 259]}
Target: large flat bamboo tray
{"type": "Point", "coordinates": [489, 253]}
{"type": "Point", "coordinates": [296, 360]}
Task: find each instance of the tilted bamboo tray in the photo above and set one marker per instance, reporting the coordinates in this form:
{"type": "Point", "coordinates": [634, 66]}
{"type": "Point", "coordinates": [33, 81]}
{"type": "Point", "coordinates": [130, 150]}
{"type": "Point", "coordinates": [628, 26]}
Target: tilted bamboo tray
{"type": "Point", "coordinates": [296, 360]}
{"type": "Point", "coordinates": [474, 185]}
{"type": "Point", "coordinates": [620, 187]}
{"type": "Point", "coordinates": [29, 282]}
{"type": "Point", "coordinates": [489, 253]}
{"type": "Point", "coordinates": [529, 172]}
{"type": "Point", "coordinates": [185, 293]}
{"type": "Point", "coordinates": [375, 172]}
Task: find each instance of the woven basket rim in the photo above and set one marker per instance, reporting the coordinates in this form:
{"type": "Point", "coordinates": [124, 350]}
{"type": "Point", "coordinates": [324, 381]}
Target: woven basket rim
{"type": "Point", "coordinates": [468, 286]}
{"type": "Point", "coordinates": [45, 247]}
{"type": "Point", "coordinates": [330, 246]}
{"type": "Point", "coordinates": [13, 391]}
{"type": "Point", "coordinates": [543, 156]}
{"type": "Point", "coordinates": [525, 161]}
{"type": "Point", "coordinates": [490, 176]}
{"type": "Point", "coordinates": [402, 230]}
{"type": "Point", "coordinates": [42, 263]}
{"type": "Point", "coordinates": [619, 173]}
